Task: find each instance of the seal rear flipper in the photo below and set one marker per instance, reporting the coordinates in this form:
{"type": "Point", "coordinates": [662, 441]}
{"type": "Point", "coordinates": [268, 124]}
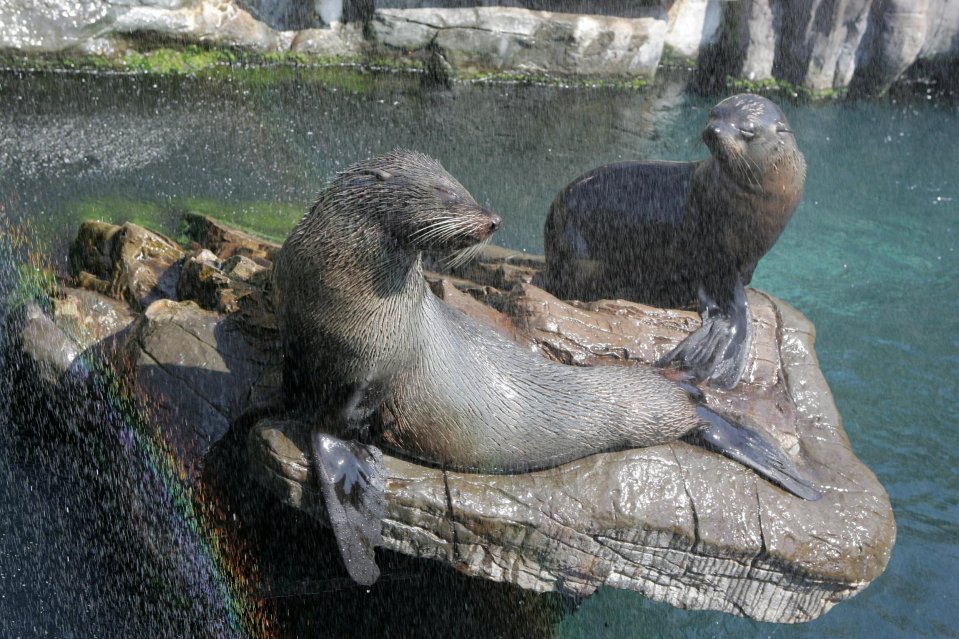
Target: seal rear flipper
{"type": "Point", "coordinates": [353, 482]}
{"type": "Point", "coordinates": [718, 349]}
{"type": "Point", "coordinates": [750, 449]}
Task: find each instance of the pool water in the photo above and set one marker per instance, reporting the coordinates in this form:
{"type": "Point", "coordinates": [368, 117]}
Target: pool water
{"type": "Point", "coordinates": [870, 257]}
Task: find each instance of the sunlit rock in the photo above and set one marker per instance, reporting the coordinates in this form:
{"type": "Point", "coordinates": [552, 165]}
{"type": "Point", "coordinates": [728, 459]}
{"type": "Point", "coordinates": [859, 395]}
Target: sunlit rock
{"type": "Point", "coordinates": [692, 25]}
{"type": "Point", "coordinates": [862, 44]}
{"type": "Point", "coordinates": [218, 22]}
{"type": "Point", "coordinates": [344, 40]}
{"type": "Point", "coordinates": [195, 370]}
{"type": "Point", "coordinates": [128, 262]}
{"type": "Point", "coordinates": [674, 522]}
{"type": "Point", "coordinates": [47, 25]}
{"type": "Point", "coordinates": [506, 38]}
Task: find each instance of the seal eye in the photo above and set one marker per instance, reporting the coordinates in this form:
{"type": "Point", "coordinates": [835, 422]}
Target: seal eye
{"type": "Point", "coordinates": [446, 195]}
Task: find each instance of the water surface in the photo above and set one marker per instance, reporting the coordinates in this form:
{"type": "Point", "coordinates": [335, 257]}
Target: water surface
{"type": "Point", "coordinates": [870, 256]}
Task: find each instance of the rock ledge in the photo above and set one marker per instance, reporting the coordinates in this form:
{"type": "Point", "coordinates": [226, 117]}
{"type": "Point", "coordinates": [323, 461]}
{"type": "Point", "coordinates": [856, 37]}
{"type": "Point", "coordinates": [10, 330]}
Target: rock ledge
{"type": "Point", "coordinates": [674, 522]}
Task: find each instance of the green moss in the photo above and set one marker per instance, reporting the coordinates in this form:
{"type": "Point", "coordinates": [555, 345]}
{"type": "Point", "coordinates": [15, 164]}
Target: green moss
{"type": "Point", "coordinates": [672, 58]}
{"type": "Point", "coordinates": [775, 88]}
{"type": "Point", "coordinates": [350, 73]}
{"type": "Point", "coordinates": [115, 210]}
{"type": "Point", "coordinates": [175, 60]}
{"type": "Point", "coordinates": [270, 220]}
{"type": "Point", "coordinates": [188, 60]}
{"type": "Point", "coordinates": [515, 77]}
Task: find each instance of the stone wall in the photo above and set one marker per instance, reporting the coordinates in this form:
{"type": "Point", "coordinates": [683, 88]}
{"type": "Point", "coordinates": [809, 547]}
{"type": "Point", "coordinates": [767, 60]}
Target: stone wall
{"type": "Point", "coordinates": [818, 44]}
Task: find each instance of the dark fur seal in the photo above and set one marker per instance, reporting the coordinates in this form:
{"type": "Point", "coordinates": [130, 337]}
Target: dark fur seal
{"type": "Point", "coordinates": [370, 352]}
{"type": "Point", "coordinates": [669, 233]}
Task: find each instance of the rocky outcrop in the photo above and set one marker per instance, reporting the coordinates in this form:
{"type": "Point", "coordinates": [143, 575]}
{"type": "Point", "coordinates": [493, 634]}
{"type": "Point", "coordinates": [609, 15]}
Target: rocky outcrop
{"type": "Point", "coordinates": [833, 44]}
{"type": "Point", "coordinates": [128, 262]}
{"type": "Point", "coordinates": [822, 45]}
{"type": "Point", "coordinates": [674, 522]}
{"type": "Point", "coordinates": [498, 38]}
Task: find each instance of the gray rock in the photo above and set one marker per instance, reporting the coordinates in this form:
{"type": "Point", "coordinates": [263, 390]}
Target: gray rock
{"type": "Point", "coordinates": [49, 25]}
{"type": "Point", "coordinates": [46, 346]}
{"type": "Point", "coordinates": [675, 522]}
{"type": "Point", "coordinates": [817, 58]}
{"type": "Point", "coordinates": [692, 25]}
{"type": "Point", "coordinates": [225, 241]}
{"type": "Point", "coordinates": [901, 32]}
{"type": "Point", "coordinates": [219, 22]}
{"type": "Point", "coordinates": [90, 319]}
{"type": "Point", "coordinates": [203, 281]}
{"type": "Point", "coordinates": [59, 344]}
{"type": "Point", "coordinates": [819, 44]}
{"type": "Point", "coordinates": [342, 40]}
{"type": "Point", "coordinates": [195, 370]}
{"type": "Point", "coordinates": [757, 37]}
{"type": "Point", "coordinates": [500, 38]}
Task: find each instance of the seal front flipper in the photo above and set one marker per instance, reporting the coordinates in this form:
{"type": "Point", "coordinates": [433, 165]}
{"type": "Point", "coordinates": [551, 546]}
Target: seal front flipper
{"type": "Point", "coordinates": [718, 349]}
{"type": "Point", "coordinates": [353, 482]}
{"type": "Point", "coordinates": [751, 449]}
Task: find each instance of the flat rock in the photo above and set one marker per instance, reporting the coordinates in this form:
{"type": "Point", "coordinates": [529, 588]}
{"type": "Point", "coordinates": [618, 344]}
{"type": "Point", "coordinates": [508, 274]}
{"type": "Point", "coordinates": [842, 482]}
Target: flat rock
{"type": "Point", "coordinates": [226, 242]}
{"type": "Point", "coordinates": [674, 522]}
{"type": "Point", "coordinates": [196, 370]}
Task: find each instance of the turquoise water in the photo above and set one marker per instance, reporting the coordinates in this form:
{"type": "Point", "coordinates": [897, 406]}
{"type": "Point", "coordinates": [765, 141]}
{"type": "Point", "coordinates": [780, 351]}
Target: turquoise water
{"type": "Point", "coordinates": [870, 256]}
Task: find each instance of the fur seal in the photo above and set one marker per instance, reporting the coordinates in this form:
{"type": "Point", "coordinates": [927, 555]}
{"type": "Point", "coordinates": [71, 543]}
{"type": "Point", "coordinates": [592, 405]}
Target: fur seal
{"type": "Point", "coordinates": [372, 355]}
{"type": "Point", "coordinates": [671, 233]}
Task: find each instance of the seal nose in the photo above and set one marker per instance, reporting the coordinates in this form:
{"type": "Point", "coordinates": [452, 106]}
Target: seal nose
{"type": "Point", "coordinates": [711, 134]}
{"type": "Point", "coordinates": [494, 222]}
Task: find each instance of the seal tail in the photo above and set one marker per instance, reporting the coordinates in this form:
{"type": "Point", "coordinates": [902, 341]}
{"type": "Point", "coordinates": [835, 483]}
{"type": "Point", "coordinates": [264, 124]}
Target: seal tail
{"type": "Point", "coordinates": [353, 482]}
{"type": "Point", "coordinates": [750, 449]}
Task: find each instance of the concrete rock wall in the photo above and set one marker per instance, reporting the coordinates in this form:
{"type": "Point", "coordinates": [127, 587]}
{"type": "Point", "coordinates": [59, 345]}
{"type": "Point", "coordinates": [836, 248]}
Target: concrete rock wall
{"type": "Point", "coordinates": [819, 44]}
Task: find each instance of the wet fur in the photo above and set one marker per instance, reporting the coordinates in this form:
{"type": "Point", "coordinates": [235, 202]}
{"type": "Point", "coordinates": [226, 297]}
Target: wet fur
{"type": "Point", "coordinates": [439, 386]}
{"type": "Point", "coordinates": [663, 229]}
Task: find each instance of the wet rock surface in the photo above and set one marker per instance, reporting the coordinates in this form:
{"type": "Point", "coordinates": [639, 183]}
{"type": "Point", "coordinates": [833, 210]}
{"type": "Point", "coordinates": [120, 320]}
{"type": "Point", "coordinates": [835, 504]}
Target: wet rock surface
{"type": "Point", "coordinates": [865, 45]}
{"type": "Point", "coordinates": [675, 522]}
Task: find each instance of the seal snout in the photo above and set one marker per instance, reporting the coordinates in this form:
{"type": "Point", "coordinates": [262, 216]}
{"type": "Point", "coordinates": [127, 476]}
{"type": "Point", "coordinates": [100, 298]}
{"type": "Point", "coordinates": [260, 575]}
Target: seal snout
{"type": "Point", "coordinates": [485, 225]}
{"type": "Point", "coordinates": [722, 138]}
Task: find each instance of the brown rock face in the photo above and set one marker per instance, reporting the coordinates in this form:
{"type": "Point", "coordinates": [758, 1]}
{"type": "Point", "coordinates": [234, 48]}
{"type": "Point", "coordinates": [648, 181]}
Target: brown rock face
{"type": "Point", "coordinates": [127, 262]}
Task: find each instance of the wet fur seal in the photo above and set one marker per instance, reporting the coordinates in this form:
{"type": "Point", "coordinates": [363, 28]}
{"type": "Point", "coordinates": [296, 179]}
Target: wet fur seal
{"type": "Point", "coordinates": [371, 355]}
{"type": "Point", "coordinates": [671, 233]}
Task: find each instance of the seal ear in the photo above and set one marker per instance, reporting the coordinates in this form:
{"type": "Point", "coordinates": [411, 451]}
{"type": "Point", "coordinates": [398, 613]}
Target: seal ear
{"type": "Point", "coordinates": [382, 175]}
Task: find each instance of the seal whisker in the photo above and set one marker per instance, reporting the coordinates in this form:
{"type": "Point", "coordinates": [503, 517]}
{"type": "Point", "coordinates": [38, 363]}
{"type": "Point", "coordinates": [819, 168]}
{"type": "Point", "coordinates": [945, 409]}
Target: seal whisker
{"type": "Point", "coordinates": [466, 255]}
{"type": "Point", "coordinates": [753, 170]}
{"type": "Point", "coordinates": [743, 165]}
{"type": "Point", "coordinates": [431, 229]}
